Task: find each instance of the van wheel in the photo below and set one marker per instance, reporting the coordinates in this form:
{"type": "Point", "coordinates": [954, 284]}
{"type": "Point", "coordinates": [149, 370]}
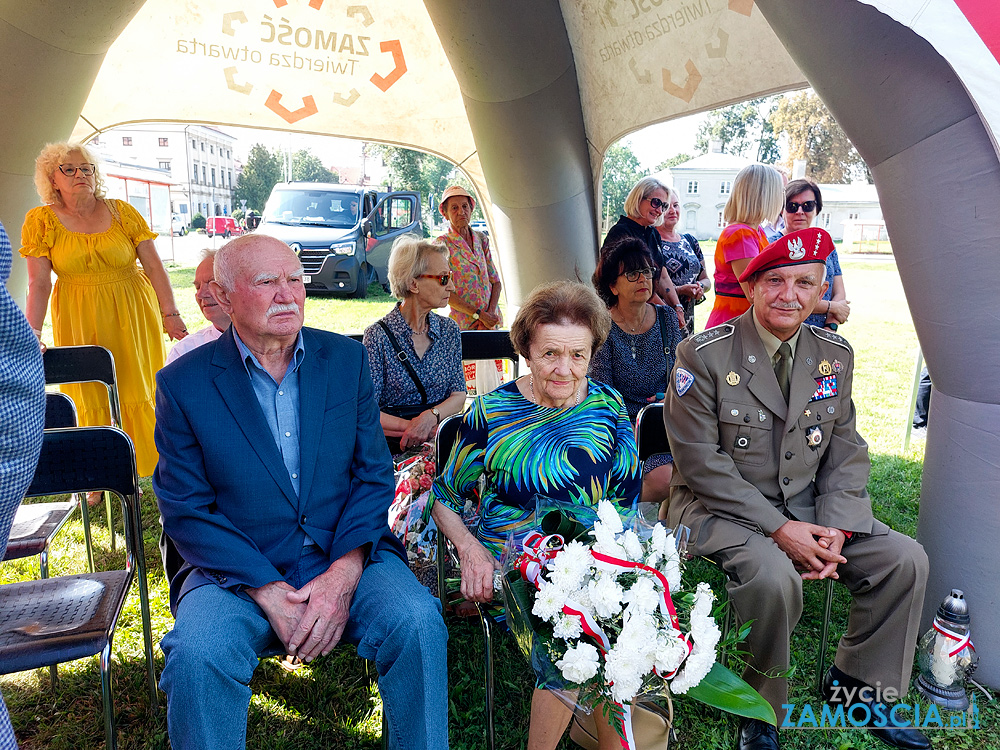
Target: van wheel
{"type": "Point", "coordinates": [227, 235]}
{"type": "Point", "coordinates": [365, 274]}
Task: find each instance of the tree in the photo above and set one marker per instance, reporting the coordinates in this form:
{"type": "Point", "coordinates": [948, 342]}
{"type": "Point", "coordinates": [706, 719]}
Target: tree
{"type": "Point", "coordinates": [814, 135]}
{"type": "Point", "coordinates": [307, 167]}
{"type": "Point", "coordinates": [621, 172]}
{"type": "Point", "coordinates": [673, 161]}
{"type": "Point", "coordinates": [261, 173]}
{"type": "Point", "coordinates": [743, 129]}
{"type": "Point", "coordinates": [425, 173]}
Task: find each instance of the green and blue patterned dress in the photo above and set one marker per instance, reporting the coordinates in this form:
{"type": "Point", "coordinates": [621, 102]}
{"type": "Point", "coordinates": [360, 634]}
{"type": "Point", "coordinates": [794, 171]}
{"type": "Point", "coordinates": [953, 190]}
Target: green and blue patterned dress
{"type": "Point", "coordinates": [581, 454]}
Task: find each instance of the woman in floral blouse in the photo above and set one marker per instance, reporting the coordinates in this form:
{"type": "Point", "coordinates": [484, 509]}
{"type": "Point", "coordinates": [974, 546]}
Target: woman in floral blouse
{"type": "Point", "coordinates": [475, 301]}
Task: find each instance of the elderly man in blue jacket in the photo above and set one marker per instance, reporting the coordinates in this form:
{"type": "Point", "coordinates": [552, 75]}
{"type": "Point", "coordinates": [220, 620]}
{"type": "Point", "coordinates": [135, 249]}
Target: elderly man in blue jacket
{"type": "Point", "coordinates": [274, 482]}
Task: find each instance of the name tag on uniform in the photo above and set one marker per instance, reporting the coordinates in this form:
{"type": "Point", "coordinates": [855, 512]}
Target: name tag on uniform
{"type": "Point", "coordinates": [825, 388]}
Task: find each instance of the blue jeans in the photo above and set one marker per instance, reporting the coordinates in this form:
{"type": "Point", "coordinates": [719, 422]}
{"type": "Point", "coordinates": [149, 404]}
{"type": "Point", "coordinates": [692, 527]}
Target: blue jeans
{"type": "Point", "coordinates": [219, 637]}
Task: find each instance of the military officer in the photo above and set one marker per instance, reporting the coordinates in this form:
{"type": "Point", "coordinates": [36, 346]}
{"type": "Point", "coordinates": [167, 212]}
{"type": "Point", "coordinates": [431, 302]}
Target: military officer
{"type": "Point", "coordinates": [770, 475]}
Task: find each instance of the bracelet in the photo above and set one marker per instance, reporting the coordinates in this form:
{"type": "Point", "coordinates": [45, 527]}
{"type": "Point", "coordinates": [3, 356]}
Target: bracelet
{"type": "Point", "coordinates": [171, 315]}
{"type": "Point", "coordinates": [679, 307]}
{"type": "Point", "coordinates": [37, 332]}
{"type": "Point", "coordinates": [829, 304]}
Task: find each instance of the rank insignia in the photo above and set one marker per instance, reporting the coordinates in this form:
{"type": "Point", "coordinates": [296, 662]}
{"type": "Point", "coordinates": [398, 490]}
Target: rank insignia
{"type": "Point", "coordinates": [825, 388]}
{"type": "Point", "coordinates": [814, 436]}
{"type": "Point", "coordinates": [683, 380]}
{"type": "Point", "coordinates": [824, 368]}
{"type": "Point", "coordinates": [733, 378]}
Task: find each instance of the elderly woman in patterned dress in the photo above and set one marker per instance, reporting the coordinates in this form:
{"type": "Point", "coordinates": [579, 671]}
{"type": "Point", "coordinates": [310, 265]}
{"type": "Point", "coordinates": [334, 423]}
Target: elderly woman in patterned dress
{"type": "Point", "coordinates": [416, 355]}
{"type": "Point", "coordinates": [638, 356]}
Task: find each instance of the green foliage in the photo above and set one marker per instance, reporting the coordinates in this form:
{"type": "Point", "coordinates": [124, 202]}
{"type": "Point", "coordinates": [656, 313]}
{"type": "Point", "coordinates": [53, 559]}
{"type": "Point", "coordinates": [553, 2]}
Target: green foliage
{"type": "Point", "coordinates": [238, 214]}
{"type": "Point", "coordinates": [197, 221]}
{"type": "Point", "coordinates": [743, 130]}
{"type": "Point", "coordinates": [425, 173]}
{"type": "Point", "coordinates": [620, 172]}
{"type": "Point", "coordinates": [814, 135]}
{"type": "Point", "coordinates": [673, 161]}
{"type": "Point", "coordinates": [262, 171]}
{"type": "Point", "coordinates": [722, 689]}
{"type": "Point", "coordinates": [307, 167]}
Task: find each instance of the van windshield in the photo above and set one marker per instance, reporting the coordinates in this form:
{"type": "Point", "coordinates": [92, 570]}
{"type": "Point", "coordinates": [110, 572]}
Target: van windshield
{"type": "Point", "coordinates": [323, 208]}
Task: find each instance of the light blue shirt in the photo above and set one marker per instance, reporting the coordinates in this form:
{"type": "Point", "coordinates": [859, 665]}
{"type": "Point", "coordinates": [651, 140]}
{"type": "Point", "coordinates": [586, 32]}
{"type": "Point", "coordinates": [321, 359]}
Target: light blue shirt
{"type": "Point", "coordinates": [279, 402]}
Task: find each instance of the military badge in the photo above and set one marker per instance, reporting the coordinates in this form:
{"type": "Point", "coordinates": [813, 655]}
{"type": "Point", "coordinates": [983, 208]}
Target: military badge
{"type": "Point", "coordinates": [733, 378]}
{"type": "Point", "coordinates": [824, 368]}
{"type": "Point", "coordinates": [837, 365]}
{"type": "Point", "coordinates": [814, 436]}
{"type": "Point", "coordinates": [683, 380]}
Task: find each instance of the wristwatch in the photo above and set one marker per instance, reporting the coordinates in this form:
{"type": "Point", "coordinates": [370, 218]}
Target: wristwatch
{"type": "Point", "coordinates": [475, 315]}
{"type": "Point", "coordinates": [437, 414]}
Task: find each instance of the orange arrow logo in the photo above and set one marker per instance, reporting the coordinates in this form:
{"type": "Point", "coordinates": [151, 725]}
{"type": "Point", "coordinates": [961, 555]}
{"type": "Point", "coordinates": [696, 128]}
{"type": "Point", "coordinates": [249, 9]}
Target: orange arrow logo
{"type": "Point", "coordinates": [685, 92]}
{"type": "Point", "coordinates": [308, 107]}
{"type": "Point", "coordinates": [384, 82]}
{"type": "Point", "coordinates": [743, 7]}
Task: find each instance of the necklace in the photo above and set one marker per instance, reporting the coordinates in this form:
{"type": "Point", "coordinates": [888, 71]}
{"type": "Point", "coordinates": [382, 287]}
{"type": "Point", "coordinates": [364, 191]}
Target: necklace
{"type": "Point", "coordinates": [642, 319]}
{"type": "Point", "coordinates": [531, 389]}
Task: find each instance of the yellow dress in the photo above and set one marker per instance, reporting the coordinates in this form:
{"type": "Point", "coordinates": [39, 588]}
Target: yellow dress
{"type": "Point", "coordinates": [101, 296]}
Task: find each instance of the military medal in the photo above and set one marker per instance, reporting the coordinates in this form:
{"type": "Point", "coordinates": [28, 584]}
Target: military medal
{"type": "Point", "coordinates": [838, 365]}
{"type": "Point", "coordinates": [735, 412]}
{"type": "Point", "coordinates": [732, 378]}
{"type": "Point", "coordinates": [809, 361]}
{"type": "Point", "coordinates": [751, 359]}
{"type": "Point", "coordinates": [808, 413]}
{"type": "Point", "coordinates": [824, 368]}
{"type": "Point", "coordinates": [742, 442]}
{"type": "Point", "coordinates": [761, 416]}
{"type": "Point", "coordinates": [830, 410]}
{"type": "Point", "coordinates": [814, 436]}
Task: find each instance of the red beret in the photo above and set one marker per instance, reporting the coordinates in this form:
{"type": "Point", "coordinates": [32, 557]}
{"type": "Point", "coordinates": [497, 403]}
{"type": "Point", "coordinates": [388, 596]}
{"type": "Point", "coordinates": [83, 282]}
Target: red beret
{"type": "Point", "coordinates": [811, 245]}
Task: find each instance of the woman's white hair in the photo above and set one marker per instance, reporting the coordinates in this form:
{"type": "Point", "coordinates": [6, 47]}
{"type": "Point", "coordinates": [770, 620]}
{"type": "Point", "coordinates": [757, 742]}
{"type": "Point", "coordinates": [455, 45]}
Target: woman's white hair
{"type": "Point", "coordinates": [408, 260]}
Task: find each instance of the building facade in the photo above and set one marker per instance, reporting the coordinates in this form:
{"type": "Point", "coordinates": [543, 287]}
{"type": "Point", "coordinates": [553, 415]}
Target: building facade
{"type": "Point", "coordinates": [197, 160]}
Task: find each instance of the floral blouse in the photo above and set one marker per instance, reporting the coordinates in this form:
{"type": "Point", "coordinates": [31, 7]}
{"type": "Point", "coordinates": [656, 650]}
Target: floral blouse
{"type": "Point", "coordinates": [474, 275]}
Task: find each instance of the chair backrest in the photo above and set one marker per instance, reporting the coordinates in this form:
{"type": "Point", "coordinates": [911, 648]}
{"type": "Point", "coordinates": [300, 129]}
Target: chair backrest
{"type": "Point", "coordinates": [445, 439]}
{"type": "Point", "coordinates": [60, 411]}
{"type": "Point", "coordinates": [651, 432]}
{"type": "Point", "coordinates": [83, 364]}
{"type": "Point", "coordinates": [84, 459]}
{"type": "Point", "coordinates": [489, 345]}
{"type": "Point", "coordinates": [359, 337]}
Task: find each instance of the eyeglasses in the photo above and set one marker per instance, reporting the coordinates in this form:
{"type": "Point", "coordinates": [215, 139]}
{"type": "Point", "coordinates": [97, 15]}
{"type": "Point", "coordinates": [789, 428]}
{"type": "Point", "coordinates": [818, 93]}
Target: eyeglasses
{"type": "Point", "coordinates": [634, 275]}
{"type": "Point", "coordinates": [793, 208]}
{"type": "Point", "coordinates": [442, 278]}
{"type": "Point", "coordinates": [657, 203]}
{"type": "Point", "coordinates": [85, 169]}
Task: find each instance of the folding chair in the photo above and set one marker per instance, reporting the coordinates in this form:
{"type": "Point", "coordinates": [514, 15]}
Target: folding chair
{"type": "Point", "coordinates": [56, 620]}
{"type": "Point", "coordinates": [489, 345]}
{"type": "Point", "coordinates": [443, 442]}
{"type": "Point", "coordinates": [651, 436]}
{"type": "Point", "coordinates": [86, 364]}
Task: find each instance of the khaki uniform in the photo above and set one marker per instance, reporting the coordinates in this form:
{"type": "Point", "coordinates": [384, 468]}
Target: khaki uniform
{"type": "Point", "coordinates": [745, 463]}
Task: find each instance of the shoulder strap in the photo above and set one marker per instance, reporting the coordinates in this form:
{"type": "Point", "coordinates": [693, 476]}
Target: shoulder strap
{"type": "Point", "coordinates": [401, 356]}
{"type": "Point", "coordinates": [662, 312]}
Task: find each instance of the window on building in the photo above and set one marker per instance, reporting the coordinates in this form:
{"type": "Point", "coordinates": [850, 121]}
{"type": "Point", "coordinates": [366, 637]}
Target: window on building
{"type": "Point", "coordinates": [164, 141]}
{"type": "Point", "coordinates": [213, 176]}
{"type": "Point", "coordinates": [230, 179]}
{"type": "Point", "coordinates": [126, 140]}
{"type": "Point", "coordinates": [692, 187]}
{"type": "Point", "coordinates": [722, 222]}
{"type": "Point", "coordinates": [726, 187]}
{"type": "Point", "coordinates": [826, 221]}
{"type": "Point", "coordinates": [194, 174]}
{"type": "Point", "coordinates": [853, 217]}
{"type": "Point", "coordinates": [203, 146]}
{"type": "Point", "coordinates": [227, 154]}
{"type": "Point", "coordinates": [194, 144]}
{"type": "Point", "coordinates": [204, 174]}
{"type": "Point", "coordinates": [211, 149]}
{"type": "Point", "coordinates": [164, 165]}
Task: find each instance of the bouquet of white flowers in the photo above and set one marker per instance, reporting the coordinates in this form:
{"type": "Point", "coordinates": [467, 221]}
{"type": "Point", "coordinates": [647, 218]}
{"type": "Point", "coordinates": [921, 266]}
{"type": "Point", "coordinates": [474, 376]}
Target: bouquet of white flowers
{"type": "Point", "coordinates": [609, 619]}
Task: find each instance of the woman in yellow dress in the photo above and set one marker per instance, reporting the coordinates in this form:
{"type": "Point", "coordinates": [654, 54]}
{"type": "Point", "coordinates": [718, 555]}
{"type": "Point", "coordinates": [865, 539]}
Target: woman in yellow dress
{"type": "Point", "coordinates": [100, 295]}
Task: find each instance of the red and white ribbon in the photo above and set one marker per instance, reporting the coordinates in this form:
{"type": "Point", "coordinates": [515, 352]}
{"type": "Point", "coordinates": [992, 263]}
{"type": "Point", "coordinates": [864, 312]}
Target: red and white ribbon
{"type": "Point", "coordinates": [962, 640]}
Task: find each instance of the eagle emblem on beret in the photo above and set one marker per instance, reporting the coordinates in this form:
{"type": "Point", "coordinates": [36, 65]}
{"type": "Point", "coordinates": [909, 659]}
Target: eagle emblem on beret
{"type": "Point", "coordinates": [795, 249]}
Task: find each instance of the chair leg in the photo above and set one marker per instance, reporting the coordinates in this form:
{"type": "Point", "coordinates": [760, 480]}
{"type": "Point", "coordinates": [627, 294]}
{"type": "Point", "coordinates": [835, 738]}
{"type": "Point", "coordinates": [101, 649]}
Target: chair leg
{"type": "Point", "coordinates": [111, 521]}
{"type": "Point", "coordinates": [385, 730]}
{"type": "Point", "coordinates": [88, 542]}
{"type": "Point", "coordinates": [147, 629]}
{"type": "Point", "coordinates": [488, 677]}
{"type": "Point", "coordinates": [824, 636]}
{"type": "Point", "coordinates": [110, 735]}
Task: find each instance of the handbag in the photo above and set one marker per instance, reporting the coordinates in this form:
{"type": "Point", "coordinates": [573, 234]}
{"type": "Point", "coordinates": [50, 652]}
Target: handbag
{"type": "Point", "coordinates": [652, 727]}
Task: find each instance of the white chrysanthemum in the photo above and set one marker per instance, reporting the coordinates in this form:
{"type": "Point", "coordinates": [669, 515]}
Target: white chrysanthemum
{"type": "Point", "coordinates": [608, 517]}
{"type": "Point", "coordinates": [571, 566]}
{"type": "Point", "coordinates": [624, 669]}
{"type": "Point", "coordinates": [548, 601]}
{"type": "Point", "coordinates": [633, 547]}
{"type": "Point", "coordinates": [670, 651]}
{"type": "Point", "coordinates": [605, 595]}
{"type": "Point", "coordinates": [642, 596]}
{"type": "Point", "coordinates": [568, 628]}
{"type": "Point", "coordinates": [605, 541]}
{"type": "Point", "coordinates": [579, 663]}
{"type": "Point", "coordinates": [705, 634]}
{"type": "Point", "coordinates": [671, 569]}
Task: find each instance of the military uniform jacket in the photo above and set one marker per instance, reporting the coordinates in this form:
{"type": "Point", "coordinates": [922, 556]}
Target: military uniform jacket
{"type": "Point", "coordinates": [742, 454]}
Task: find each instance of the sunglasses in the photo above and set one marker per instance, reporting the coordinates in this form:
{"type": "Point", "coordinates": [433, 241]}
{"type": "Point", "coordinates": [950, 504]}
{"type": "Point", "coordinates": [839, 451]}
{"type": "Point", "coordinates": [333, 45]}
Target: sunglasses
{"type": "Point", "coordinates": [634, 275]}
{"type": "Point", "coordinates": [85, 169]}
{"type": "Point", "coordinates": [657, 203]}
{"type": "Point", "coordinates": [442, 278]}
{"type": "Point", "coordinates": [793, 208]}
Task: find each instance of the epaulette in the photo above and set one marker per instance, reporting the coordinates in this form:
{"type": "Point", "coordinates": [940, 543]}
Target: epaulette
{"type": "Point", "coordinates": [828, 335]}
{"type": "Point", "coordinates": [717, 333]}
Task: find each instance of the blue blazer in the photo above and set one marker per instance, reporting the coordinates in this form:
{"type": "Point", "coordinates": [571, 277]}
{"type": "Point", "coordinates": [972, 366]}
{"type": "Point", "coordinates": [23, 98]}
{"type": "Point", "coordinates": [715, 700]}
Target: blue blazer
{"type": "Point", "coordinates": [224, 493]}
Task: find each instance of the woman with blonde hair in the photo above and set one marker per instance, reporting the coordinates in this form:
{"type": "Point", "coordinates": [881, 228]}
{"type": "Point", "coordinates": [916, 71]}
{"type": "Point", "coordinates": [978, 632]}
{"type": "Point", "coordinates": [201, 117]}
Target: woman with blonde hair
{"type": "Point", "coordinates": [101, 296]}
{"type": "Point", "coordinates": [758, 195]}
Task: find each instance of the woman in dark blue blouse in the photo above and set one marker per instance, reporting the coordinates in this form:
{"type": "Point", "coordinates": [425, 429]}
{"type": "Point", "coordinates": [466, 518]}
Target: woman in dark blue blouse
{"type": "Point", "coordinates": [416, 355]}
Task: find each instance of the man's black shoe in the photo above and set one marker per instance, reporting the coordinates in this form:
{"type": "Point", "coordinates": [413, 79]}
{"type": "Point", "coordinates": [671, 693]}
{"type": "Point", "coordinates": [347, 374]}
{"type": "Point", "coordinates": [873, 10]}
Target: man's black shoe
{"type": "Point", "coordinates": [757, 735]}
{"type": "Point", "coordinates": [905, 738]}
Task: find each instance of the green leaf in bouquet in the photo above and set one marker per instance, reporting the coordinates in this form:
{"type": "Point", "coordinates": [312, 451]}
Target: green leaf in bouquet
{"type": "Point", "coordinates": [723, 689]}
{"type": "Point", "coordinates": [563, 524]}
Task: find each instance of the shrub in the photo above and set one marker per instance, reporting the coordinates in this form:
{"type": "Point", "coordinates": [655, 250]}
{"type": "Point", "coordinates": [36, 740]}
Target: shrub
{"type": "Point", "coordinates": [198, 221]}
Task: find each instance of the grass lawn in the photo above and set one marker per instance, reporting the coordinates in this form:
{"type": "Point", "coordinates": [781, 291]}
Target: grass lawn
{"type": "Point", "coordinates": [333, 703]}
